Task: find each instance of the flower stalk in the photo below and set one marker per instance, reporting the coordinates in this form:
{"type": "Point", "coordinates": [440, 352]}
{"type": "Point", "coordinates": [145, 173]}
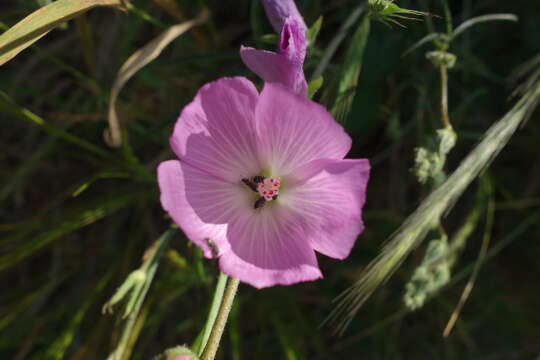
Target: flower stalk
{"type": "Point", "coordinates": [211, 348]}
{"type": "Point", "coordinates": [443, 70]}
{"type": "Point", "coordinates": [443, 60]}
{"type": "Point", "coordinates": [214, 308]}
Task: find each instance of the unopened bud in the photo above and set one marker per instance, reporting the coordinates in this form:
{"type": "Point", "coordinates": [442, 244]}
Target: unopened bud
{"type": "Point", "coordinates": [177, 353]}
{"type": "Point", "coordinates": [442, 58]}
{"type": "Point", "coordinates": [447, 139]}
{"type": "Point", "coordinates": [423, 164]}
{"type": "Point", "coordinates": [387, 11]}
{"type": "Point", "coordinates": [430, 276]}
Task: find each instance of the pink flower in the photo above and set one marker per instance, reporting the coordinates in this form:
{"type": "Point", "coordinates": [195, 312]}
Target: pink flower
{"type": "Point", "coordinates": [285, 66]}
{"type": "Point", "coordinates": [278, 10]}
{"type": "Point", "coordinates": [234, 144]}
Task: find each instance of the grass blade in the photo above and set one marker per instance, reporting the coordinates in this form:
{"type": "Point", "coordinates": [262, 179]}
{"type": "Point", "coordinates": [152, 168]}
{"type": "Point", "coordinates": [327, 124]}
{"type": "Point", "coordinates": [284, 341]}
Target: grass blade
{"type": "Point", "coordinates": [9, 107]}
{"type": "Point", "coordinates": [336, 41]}
{"type": "Point", "coordinates": [480, 19]}
{"type": "Point", "coordinates": [87, 215]}
{"type": "Point", "coordinates": [149, 267]}
{"type": "Point", "coordinates": [413, 230]}
{"type": "Point", "coordinates": [350, 71]}
{"type": "Point", "coordinates": [137, 61]}
{"type": "Point", "coordinates": [40, 22]}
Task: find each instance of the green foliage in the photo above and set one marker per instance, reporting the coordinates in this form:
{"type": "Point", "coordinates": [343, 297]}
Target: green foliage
{"type": "Point", "coordinates": [314, 86]}
{"type": "Point", "coordinates": [432, 274]}
{"type": "Point", "coordinates": [77, 217]}
{"type": "Point", "coordinates": [38, 24]}
{"type": "Point", "coordinates": [350, 70]}
{"type": "Point", "coordinates": [313, 32]}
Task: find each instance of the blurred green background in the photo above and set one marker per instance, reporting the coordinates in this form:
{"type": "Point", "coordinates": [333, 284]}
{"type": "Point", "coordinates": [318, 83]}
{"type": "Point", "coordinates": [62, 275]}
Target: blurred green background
{"type": "Point", "coordinates": [76, 216]}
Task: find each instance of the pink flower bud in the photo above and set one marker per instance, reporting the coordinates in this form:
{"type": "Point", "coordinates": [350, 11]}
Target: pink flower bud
{"type": "Point", "coordinates": [279, 10]}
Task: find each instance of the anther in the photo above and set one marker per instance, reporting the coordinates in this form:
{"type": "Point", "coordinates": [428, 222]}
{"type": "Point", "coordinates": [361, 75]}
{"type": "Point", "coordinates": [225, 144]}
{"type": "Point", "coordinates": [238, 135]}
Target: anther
{"type": "Point", "coordinates": [250, 184]}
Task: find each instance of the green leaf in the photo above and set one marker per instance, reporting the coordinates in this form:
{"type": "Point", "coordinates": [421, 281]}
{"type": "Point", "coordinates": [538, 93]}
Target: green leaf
{"type": "Point", "coordinates": [480, 19]}
{"type": "Point", "coordinates": [314, 85]}
{"type": "Point", "coordinates": [350, 72]}
{"type": "Point", "coordinates": [139, 289]}
{"type": "Point", "coordinates": [313, 32]}
{"type": "Point", "coordinates": [271, 39]}
{"type": "Point", "coordinates": [40, 22]}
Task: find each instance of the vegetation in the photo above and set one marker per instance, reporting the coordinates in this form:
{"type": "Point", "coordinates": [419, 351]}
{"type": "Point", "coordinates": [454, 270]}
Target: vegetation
{"type": "Point", "coordinates": [443, 107]}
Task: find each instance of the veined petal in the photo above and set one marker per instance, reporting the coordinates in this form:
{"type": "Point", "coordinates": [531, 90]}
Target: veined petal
{"type": "Point", "coordinates": [201, 204]}
{"type": "Point", "coordinates": [293, 42]}
{"type": "Point", "coordinates": [275, 68]}
{"type": "Point", "coordinates": [269, 248]}
{"type": "Point", "coordinates": [329, 195]}
{"type": "Point", "coordinates": [268, 65]}
{"type": "Point", "coordinates": [278, 10]}
{"type": "Point", "coordinates": [293, 46]}
{"type": "Point", "coordinates": [293, 131]}
{"type": "Point", "coordinates": [215, 133]}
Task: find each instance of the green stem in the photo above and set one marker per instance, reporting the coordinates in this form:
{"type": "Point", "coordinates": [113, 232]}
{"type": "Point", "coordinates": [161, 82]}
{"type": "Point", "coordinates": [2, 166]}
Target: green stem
{"type": "Point", "coordinates": [448, 18]}
{"type": "Point", "coordinates": [214, 308]}
{"type": "Point", "coordinates": [211, 348]}
{"type": "Point", "coordinates": [444, 95]}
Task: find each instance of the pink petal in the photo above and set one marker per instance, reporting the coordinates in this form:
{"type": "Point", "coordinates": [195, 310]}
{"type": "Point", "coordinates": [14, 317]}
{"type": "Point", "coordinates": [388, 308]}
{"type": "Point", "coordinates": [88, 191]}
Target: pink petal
{"type": "Point", "coordinates": [215, 132]}
{"type": "Point", "coordinates": [278, 10]}
{"type": "Point", "coordinates": [269, 248]}
{"type": "Point", "coordinates": [275, 68]}
{"type": "Point", "coordinates": [200, 204]}
{"type": "Point", "coordinates": [329, 194]}
{"type": "Point", "coordinates": [293, 43]}
{"type": "Point", "coordinates": [294, 131]}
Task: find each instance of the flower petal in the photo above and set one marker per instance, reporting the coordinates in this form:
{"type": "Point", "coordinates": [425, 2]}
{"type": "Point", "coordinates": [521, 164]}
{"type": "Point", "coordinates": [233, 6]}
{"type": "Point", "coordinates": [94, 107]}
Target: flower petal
{"type": "Point", "coordinates": [278, 10]}
{"type": "Point", "coordinates": [293, 43]}
{"type": "Point", "coordinates": [274, 68]}
{"type": "Point", "coordinates": [215, 133]}
{"type": "Point", "coordinates": [200, 204]}
{"type": "Point", "coordinates": [269, 248]}
{"type": "Point", "coordinates": [293, 131]}
{"type": "Point", "coordinates": [329, 194]}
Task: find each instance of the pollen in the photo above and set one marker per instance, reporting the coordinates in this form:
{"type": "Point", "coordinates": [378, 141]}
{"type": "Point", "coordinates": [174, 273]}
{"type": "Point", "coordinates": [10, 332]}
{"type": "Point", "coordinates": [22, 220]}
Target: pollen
{"type": "Point", "coordinates": [269, 188]}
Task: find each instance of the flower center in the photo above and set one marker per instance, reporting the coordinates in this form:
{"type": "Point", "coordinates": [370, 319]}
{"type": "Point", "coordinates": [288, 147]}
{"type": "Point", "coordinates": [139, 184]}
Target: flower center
{"type": "Point", "coordinates": [269, 188]}
{"type": "Point", "coordinates": [266, 188]}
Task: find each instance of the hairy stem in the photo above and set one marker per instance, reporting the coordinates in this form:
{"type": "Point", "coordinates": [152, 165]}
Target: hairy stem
{"type": "Point", "coordinates": [212, 315]}
{"type": "Point", "coordinates": [221, 320]}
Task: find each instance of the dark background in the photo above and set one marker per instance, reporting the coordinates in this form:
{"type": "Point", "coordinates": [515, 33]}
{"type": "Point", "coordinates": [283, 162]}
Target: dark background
{"type": "Point", "coordinates": [62, 256]}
